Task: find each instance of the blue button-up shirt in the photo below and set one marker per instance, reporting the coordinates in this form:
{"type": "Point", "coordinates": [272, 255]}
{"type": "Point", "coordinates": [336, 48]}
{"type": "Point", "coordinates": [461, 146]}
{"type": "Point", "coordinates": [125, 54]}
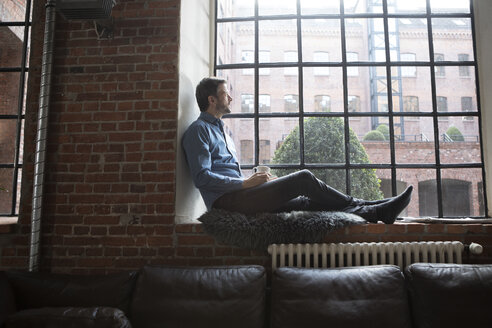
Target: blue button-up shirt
{"type": "Point", "coordinates": [212, 159]}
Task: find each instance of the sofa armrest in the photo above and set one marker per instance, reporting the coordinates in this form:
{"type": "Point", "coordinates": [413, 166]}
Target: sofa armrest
{"type": "Point", "coordinates": [98, 317]}
{"type": "Point", "coordinates": [7, 300]}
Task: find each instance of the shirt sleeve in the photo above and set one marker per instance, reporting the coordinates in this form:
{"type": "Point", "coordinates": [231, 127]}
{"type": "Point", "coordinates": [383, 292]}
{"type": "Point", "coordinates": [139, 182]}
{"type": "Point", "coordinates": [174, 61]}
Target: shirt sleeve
{"type": "Point", "coordinates": [196, 147]}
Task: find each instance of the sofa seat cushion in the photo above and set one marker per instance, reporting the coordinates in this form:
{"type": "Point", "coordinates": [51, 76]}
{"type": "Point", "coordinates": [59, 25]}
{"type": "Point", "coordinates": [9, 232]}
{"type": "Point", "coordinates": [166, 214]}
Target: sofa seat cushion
{"type": "Point", "coordinates": [36, 290]}
{"type": "Point", "coordinates": [69, 317]}
{"type": "Point", "coordinates": [371, 296]}
{"type": "Point", "coordinates": [450, 295]}
{"type": "Point", "coordinates": [230, 296]}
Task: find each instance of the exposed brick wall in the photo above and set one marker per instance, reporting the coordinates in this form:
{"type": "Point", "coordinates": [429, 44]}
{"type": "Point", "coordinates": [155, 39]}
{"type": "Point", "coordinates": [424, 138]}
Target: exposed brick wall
{"type": "Point", "coordinates": [110, 191]}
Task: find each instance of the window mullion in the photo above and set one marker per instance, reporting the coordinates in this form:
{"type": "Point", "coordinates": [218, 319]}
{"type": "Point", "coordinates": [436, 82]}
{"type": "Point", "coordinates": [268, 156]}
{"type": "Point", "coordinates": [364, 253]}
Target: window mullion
{"type": "Point", "coordinates": [434, 110]}
{"type": "Point", "coordinates": [300, 84]}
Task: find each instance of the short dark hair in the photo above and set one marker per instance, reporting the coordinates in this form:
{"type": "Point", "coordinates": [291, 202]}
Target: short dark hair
{"type": "Point", "coordinates": [207, 87]}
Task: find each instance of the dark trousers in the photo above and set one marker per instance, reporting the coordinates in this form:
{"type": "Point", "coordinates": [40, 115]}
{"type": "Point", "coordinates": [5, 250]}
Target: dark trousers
{"type": "Point", "coordinates": [299, 191]}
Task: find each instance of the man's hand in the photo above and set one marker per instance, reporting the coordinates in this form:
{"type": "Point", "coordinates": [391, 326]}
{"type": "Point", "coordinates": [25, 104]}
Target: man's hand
{"type": "Point", "coordinates": [257, 179]}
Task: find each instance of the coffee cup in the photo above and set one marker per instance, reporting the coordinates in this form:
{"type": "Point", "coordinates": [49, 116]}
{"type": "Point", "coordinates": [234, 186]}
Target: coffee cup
{"type": "Point", "coordinates": [261, 169]}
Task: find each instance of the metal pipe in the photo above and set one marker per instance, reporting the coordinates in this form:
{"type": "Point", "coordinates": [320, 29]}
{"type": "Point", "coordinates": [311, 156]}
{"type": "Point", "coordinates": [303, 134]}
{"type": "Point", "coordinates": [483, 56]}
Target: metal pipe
{"type": "Point", "coordinates": [40, 159]}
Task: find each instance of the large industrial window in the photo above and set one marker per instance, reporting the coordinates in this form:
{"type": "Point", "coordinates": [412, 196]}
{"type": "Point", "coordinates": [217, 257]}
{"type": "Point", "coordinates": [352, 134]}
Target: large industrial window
{"type": "Point", "coordinates": [394, 84]}
{"type": "Point", "coordinates": [15, 21]}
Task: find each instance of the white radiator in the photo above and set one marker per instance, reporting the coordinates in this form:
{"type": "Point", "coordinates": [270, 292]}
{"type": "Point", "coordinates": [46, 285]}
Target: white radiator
{"type": "Point", "coordinates": [358, 254]}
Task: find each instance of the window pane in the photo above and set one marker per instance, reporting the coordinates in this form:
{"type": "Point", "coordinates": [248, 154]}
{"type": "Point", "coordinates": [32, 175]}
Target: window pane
{"type": "Point", "coordinates": [284, 7]}
{"type": "Point", "coordinates": [418, 86]}
{"type": "Point", "coordinates": [239, 85]}
{"type": "Point", "coordinates": [331, 86]}
{"type": "Point", "coordinates": [6, 176]}
{"type": "Point", "coordinates": [461, 195]}
{"type": "Point", "coordinates": [309, 7]}
{"type": "Point", "coordinates": [227, 34]}
{"type": "Point", "coordinates": [455, 88]}
{"type": "Point", "coordinates": [227, 8]}
{"type": "Point", "coordinates": [375, 143]}
{"type": "Point", "coordinates": [414, 140]}
{"type": "Point", "coordinates": [372, 32]}
{"type": "Point", "coordinates": [451, 35]}
{"type": "Point", "coordinates": [322, 103]}
{"type": "Point", "coordinates": [407, 43]}
{"type": "Point", "coordinates": [277, 86]}
{"type": "Point", "coordinates": [283, 134]}
{"type": "Point", "coordinates": [264, 103]}
{"type": "Point", "coordinates": [9, 92]}
{"type": "Point", "coordinates": [8, 134]}
{"type": "Point", "coordinates": [11, 42]}
{"type": "Point", "coordinates": [455, 6]}
{"type": "Point", "coordinates": [247, 152]}
{"type": "Point", "coordinates": [277, 43]}
{"type": "Point", "coordinates": [370, 84]}
{"type": "Point", "coordinates": [324, 140]}
{"type": "Point", "coordinates": [241, 131]}
{"type": "Point", "coordinates": [359, 7]}
{"type": "Point", "coordinates": [247, 103]}
{"type": "Point", "coordinates": [291, 103]}
{"type": "Point", "coordinates": [321, 35]}
{"type": "Point", "coordinates": [407, 7]}
{"type": "Point", "coordinates": [459, 141]}
{"type": "Point", "coordinates": [264, 57]}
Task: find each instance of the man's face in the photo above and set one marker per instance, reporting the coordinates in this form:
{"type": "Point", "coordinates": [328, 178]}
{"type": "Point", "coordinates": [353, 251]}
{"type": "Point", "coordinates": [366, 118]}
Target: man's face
{"type": "Point", "coordinates": [223, 99]}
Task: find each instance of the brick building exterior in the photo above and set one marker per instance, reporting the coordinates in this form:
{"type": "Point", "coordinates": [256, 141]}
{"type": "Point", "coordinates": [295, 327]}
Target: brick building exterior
{"type": "Point", "coordinates": [110, 187]}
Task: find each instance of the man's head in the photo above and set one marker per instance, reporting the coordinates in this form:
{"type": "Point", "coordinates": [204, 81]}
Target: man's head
{"type": "Point", "coordinates": [212, 93]}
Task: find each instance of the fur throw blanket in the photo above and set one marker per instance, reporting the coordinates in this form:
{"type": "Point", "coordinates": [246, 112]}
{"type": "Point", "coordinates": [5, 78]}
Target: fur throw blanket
{"type": "Point", "coordinates": [260, 230]}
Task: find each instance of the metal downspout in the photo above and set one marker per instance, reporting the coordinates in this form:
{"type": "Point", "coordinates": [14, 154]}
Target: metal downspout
{"type": "Point", "coordinates": [39, 164]}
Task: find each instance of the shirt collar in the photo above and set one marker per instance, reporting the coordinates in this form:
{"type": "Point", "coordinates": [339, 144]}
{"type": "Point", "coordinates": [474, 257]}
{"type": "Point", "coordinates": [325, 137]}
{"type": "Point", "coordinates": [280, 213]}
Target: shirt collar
{"type": "Point", "coordinates": [209, 118]}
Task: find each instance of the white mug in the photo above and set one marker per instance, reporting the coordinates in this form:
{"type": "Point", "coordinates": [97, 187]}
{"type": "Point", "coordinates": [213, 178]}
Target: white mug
{"type": "Point", "coordinates": [261, 169]}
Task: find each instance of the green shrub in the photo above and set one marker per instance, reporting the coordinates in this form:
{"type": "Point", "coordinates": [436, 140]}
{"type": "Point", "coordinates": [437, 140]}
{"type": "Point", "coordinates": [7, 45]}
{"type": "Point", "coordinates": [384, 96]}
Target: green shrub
{"type": "Point", "coordinates": [374, 135]}
{"type": "Point", "coordinates": [384, 129]}
{"type": "Point", "coordinates": [455, 134]}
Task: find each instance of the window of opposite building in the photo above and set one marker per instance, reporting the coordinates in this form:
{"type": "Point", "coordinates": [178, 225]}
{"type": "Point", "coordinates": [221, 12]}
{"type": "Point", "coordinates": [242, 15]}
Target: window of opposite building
{"type": "Point", "coordinates": [391, 66]}
{"type": "Point", "coordinates": [15, 23]}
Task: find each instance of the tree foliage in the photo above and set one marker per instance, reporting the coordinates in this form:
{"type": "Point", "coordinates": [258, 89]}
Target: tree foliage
{"type": "Point", "coordinates": [324, 142]}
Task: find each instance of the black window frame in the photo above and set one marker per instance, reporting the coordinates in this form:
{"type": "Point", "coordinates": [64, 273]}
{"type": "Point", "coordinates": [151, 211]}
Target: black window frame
{"type": "Point", "coordinates": [437, 70]}
{"type": "Point", "coordinates": [23, 70]}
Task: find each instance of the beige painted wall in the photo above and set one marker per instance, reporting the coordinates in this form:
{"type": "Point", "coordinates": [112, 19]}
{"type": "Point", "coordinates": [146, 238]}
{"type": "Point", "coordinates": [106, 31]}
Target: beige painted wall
{"type": "Point", "coordinates": [194, 63]}
{"type": "Point", "coordinates": [483, 25]}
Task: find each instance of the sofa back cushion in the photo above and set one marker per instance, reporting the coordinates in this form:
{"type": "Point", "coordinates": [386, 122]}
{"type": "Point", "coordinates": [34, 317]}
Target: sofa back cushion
{"type": "Point", "coordinates": [36, 290]}
{"type": "Point", "coordinates": [232, 296]}
{"type": "Point", "coordinates": [450, 295]}
{"type": "Point", "coordinates": [372, 296]}
{"type": "Point", "coordinates": [7, 300]}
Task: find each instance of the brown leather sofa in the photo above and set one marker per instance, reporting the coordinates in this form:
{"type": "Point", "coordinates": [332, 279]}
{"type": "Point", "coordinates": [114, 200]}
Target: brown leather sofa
{"type": "Point", "coordinates": [425, 295]}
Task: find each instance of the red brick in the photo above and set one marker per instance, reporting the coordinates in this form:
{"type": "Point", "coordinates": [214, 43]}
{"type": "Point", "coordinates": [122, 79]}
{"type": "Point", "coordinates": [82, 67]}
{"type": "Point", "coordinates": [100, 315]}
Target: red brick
{"type": "Point", "coordinates": [195, 240]}
{"type": "Point", "coordinates": [376, 228]}
{"type": "Point", "coordinates": [436, 228]}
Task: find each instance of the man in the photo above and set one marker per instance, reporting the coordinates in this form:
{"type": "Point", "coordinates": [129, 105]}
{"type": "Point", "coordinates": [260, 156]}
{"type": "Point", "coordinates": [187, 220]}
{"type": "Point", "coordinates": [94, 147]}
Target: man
{"type": "Point", "coordinates": [215, 170]}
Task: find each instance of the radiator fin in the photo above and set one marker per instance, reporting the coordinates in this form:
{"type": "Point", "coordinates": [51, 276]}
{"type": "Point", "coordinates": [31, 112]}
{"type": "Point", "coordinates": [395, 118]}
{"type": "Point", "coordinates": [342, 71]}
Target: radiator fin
{"type": "Point", "coordinates": [360, 254]}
